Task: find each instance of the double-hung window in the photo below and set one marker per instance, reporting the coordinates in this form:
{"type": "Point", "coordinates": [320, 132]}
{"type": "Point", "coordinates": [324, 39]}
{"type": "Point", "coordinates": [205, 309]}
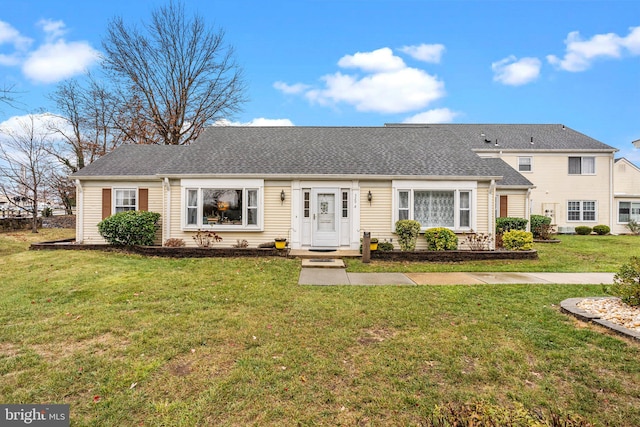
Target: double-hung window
{"type": "Point", "coordinates": [525, 164]}
{"type": "Point", "coordinates": [436, 207]}
{"type": "Point", "coordinates": [582, 165]}
{"type": "Point", "coordinates": [222, 205]}
{"type": "Point", "coordinates": [628, 211]}
{"type": "Point", "coordinates": [125, 199]}
{"type": "Point", "coordinates": [581, 210]}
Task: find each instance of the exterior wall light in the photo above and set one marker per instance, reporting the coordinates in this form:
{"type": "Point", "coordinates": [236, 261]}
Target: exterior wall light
{"type": "Point", "coordinates": [282, 197]}
{"type": "Point", "coordinates": [369, 197]}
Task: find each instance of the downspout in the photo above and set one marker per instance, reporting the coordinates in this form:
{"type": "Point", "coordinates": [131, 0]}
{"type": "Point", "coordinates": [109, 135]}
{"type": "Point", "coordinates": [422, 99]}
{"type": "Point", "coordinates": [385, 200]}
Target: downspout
{"type": "Point", "coordinates": [79, 212]}
{"type": "Point", "coordinates": [611, 193]}
{"type": "Point", "coordinates": [166, 223]}
{"type": "Point", "coordinates": [492, 215]}
{"type": "Point", "coordinates": [527, 209]}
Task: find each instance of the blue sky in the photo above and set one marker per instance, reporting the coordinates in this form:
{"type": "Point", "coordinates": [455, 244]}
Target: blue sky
{"type": "Point", "coordinates": [370, 62]}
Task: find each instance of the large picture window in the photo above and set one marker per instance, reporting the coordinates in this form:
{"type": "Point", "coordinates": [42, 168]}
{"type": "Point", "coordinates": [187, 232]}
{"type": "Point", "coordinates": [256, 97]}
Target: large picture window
{"type": "Point", "coordinates": [628, 211]}
{"type": "Point", "coordinates": [436, 208]}
{"type": "Point", "coordinates": [216, 206]}
{"type": "Point", "coordinates": [581, 210]}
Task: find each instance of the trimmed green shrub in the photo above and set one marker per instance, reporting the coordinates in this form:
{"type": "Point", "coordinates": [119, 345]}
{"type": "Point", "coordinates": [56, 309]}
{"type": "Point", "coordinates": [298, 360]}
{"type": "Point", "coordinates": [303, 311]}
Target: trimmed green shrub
{"type": "Point", "coordinates": [518, 240]}
{"type": "Point", "coordinates": [505, 224]}
{"type": "Point", "coordinates": [626, 283]}
{"type": "Point", "coordinates": [538, 223]}
{"type": "Point", "coordinates": [601, 230]}
{"type": "Point", "coordinates": [583, 230]}
{"type": "Point", "coordinates": [633, 227]}
{"type": "Point", "coordinates": [407, 231]}
{"type": "Point", "coordinates": [441, 239]}
{"type": "Point", "coordinates": [130, 228]}
{"type": "Point", "coordinates": [385, 246]}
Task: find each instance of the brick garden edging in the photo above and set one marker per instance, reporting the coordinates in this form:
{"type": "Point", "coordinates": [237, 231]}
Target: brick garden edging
{"type": "Point", "coordinates": [162, 251]}
{"type": "Point", "coordinates": [570, 306]}
{"type": "Point", "coordinates": [446, 256]}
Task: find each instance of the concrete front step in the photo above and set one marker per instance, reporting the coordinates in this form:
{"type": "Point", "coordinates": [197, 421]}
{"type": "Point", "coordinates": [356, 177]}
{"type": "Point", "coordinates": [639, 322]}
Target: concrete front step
{"type": "Point", "coordinates": [322, 263]}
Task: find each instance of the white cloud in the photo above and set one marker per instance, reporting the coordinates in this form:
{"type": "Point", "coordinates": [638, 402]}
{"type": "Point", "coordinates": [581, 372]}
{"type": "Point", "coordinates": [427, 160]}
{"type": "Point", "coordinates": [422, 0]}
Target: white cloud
{"type": "Point", "coordinates": [437, 115]}
{"type": "Point", "coordinates": [425, 52]}
{"type": "Point", "coordinates": [375, 61]}
{"type": "Point", "coordinates": [516, 72]}
{"type": "Point", "coordinates": [52, 29]}
{"type": "Point", "coordinates": [580, 53]}
{"type": "Point", "coordinates": [390, 92]}
{"type": "Point", "coordinates": [387, 85]}
{"type": "Point", "coordinates": [9, 35]}
{"type": "Point", "coordinates": [291, 89]}
{"type": "Point", "coordinates": [261, 121]}
{"type": "Point", "coordinates": [53, 62]}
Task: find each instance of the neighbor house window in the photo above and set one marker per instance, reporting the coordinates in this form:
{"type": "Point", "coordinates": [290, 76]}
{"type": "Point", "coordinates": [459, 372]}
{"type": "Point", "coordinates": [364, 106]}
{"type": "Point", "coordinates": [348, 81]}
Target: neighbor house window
{"type": "Point", "coordinates": [436, 208]}
{"type": "Point", "coordinates": [582, 165]}
{"type": "Point", "coordinates": [628, 211]}
{"type": "Point", "coordinates": [125, 199]}
{"type": "Point", "coordinates": [217, 206]}
{"type": "Point", "coordinates": [525, 164]}
{"type": "Point", "coordinates": [581, 210]}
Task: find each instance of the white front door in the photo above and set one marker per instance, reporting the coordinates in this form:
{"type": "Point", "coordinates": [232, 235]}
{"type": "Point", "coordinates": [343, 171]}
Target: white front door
{"type": "Point", "coordinates": [326, 217]}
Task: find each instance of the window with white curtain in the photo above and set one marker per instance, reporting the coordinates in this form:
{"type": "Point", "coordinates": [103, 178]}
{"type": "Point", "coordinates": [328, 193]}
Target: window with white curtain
{"type": "Point", "coordinates": [125, 199]}
{"type": "Point", "coordinates": [435, 208]}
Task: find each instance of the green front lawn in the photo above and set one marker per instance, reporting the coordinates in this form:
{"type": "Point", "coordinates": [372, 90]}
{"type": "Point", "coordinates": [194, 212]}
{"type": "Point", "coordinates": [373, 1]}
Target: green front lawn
{"type": "Point", "coordinates": [127, 341]}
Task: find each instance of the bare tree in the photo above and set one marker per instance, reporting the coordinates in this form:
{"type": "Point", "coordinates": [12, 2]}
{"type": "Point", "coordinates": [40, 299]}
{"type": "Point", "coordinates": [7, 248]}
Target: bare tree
{"type": "Point", "coordinates": [8, 95]}
{"type": "Point", "coordinates": [85, 123]}
{"type": "Point", "coordinates": [179, 70]}
{"type": "Point", "coordinates": [64, 189]}
{"type": "Point", "coordinates": [24, 165]}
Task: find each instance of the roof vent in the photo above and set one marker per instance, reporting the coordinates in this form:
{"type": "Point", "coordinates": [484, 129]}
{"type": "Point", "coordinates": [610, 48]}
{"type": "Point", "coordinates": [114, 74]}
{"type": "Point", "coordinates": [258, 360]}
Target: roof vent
{"type": "Point", "coordinates": [496, 142]}
{"type": "Point", "coordinates": [563, 128]}
{"type": "Point", "coordinates": [531, 140]}
{"type": "Point", "coordinates": [487, 140]}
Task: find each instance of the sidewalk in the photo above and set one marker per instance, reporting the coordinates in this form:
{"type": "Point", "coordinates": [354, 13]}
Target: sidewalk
{"type": "Point", "coordinates": [339, 276]}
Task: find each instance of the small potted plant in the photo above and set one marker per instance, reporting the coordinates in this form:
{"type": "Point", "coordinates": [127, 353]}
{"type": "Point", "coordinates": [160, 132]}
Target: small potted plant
{"type": "Point", "coordinates": [373, 244]}
{"type": "Point", "coordinates": [281, 242]}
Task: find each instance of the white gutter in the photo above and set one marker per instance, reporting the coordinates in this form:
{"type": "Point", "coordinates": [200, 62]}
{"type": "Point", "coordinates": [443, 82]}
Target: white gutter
{"type": "Point", "coordinates": [79, 212]}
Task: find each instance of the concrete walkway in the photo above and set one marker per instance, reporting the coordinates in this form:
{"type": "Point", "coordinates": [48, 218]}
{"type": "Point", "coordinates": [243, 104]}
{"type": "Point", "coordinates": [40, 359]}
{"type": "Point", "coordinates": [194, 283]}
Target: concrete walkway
{"type": "Point", "coordinates": [339, 276]}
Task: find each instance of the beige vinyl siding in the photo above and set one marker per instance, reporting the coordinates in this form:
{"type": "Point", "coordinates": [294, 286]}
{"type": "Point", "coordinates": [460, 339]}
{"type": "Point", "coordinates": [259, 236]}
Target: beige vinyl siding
{"type": "Point", "coordinates": [377, 218]}
{"type": "Point", "coordinates": [277, 218]}
{"type": "Point", "coordinates": [482, 208]}
{"type": "Point", "coordinates": [554, 184]}
{"type": "Point", "coordinates": [626, 187]}
{"type": "Point", "coordinates": [92, 205]}
{"type": "Point", "coordinates": [516, 205]}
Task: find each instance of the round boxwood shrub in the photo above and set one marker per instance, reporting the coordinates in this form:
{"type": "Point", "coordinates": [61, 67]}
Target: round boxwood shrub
{"type": "Point", "coordinates": [504, 224]}
{"type": "Point", "coordinates": [130, 228]}
{"type": "Point", "coordinates": [407, 231]}
{"type": "Point", "coordinates": [583, 230]}
{"type": "Point", "coordinates": [626, 283]}
{"type": "Point", "coordinates": [441, 239]}
{"type": "Point", "coordinates": [601, 229]}
{"type": "Point", "coordinates": [517, 240]}
{"type": "Point", "coordinates": [385, 246]}
{"type": "Point", "coordinates": [538, 224]}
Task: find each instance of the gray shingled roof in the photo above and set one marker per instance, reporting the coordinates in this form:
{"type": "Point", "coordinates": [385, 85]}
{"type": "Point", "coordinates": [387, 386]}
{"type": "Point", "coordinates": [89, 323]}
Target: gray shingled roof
{"type": "Point", "coordinates": [546, 137]}
{"type": "Point", "coordinates": [131, 160]}
{"type": "Point", "coordinates": [393, 150]}
{"type": "Point", "coordinates": [328, 151]}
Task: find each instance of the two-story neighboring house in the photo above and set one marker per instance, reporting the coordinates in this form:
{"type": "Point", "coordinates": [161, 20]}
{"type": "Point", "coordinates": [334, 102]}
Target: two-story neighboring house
{"type": "Point", "coordinates": [626, 185]}
{"type": "Point", "coordinates": [573, 173]}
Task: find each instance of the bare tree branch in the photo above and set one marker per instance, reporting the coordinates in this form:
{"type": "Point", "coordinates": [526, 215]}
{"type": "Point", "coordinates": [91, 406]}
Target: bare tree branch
{"type": "Point", "coordinates": [178, 71]}
{"type": "Point", "coordinates": [24, 165]}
